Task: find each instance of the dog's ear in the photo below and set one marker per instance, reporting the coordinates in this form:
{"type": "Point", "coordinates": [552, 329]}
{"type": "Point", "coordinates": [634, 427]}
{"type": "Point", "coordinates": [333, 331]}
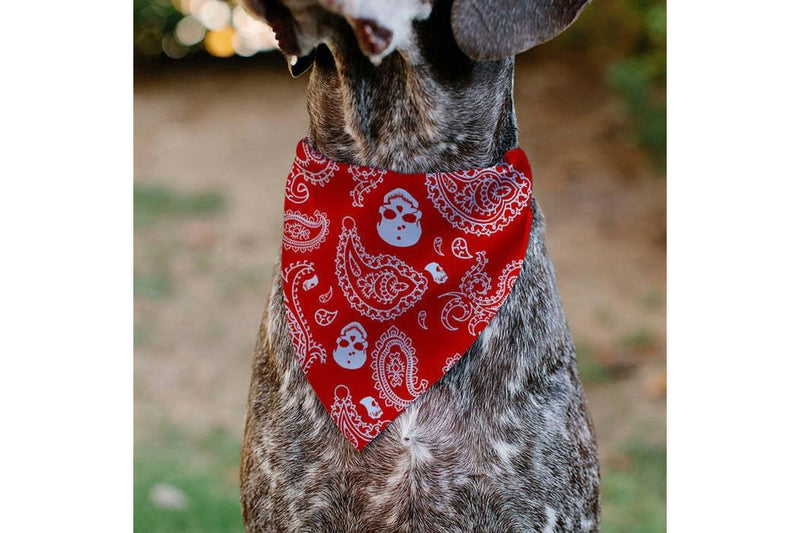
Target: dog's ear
{"type": "Point", "coordinates": [299, 65]}
{"type": "Point", "coordinates": [282, 23]}
{"type": "Point", "coordinates": [494, 29]}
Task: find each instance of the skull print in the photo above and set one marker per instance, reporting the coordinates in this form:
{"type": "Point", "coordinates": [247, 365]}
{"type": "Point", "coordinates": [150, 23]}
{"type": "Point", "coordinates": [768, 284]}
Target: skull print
{"type": "Point", "coordinates": [351, 347]}
{"type": "Point", "coordinates": [400, 219]}
{"type": "Point", "coordinates": [436, 271]}
{"type": "Point", "coordinates": [310, 283]}
{"type": "Point", "coordinates": [373, 409]}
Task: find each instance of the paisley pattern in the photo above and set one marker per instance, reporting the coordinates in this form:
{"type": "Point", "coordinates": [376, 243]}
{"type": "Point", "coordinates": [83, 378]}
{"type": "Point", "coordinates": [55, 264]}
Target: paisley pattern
{"type": "Point", "coordinates": [421, 317]}
{"type": "Point", "coordinates": [481, 201]}
{"type": "Point", "coordinates": [325, 318]}
{"type": "Point", "coordinates": [344, 414]}
{"type": "Point", "coordinates": [394, 366]}
{"type": "Point", "coordinates": [437, 246]}
{"type": "Point", "coordinates": [309, 167]}
{"type": "Point", "coordinates": [306, 350]}
{"type": "Point", "coordinates": [450, 362]}
{"type": "Point", "coordinates": [380, 287]}
{"type": "Point", "coordinates": [367, 179]}
{"type": "Point", "coordinates": [303, 233]}
{"type": "Point", "coordinates": [389, 278]}
{"type": "Point", "coordinates": [326, 296]}
{"type": "Point", "coordinates": [474, 303]}
{"type": "Point", "coordinates": [460, 248]}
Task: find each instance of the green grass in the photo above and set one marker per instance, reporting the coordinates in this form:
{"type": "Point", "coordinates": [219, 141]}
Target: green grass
{"type": "Point", "coordinates": [152, 202]}
{"type": "Point", "coordinates": [634, 80]}
{"type": "Point", "coordinates": [142, 332]}
{"type": "Point", "coordinates": [640, 340]}
{"type": "Point", "coordinates": [634, 495]}
{"type": "Point", "coordinates": [653, 300]}
{"type": "Point", "coordinates": [591, 370]}
{"type": "Point", "coordinates": [154, 287]}
{"type": "Point", "coordinates": [205, 470]}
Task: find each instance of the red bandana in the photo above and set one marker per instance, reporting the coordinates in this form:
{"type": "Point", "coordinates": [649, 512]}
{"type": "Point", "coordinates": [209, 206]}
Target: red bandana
{"type": "Point", "coordinates": [388, 278]}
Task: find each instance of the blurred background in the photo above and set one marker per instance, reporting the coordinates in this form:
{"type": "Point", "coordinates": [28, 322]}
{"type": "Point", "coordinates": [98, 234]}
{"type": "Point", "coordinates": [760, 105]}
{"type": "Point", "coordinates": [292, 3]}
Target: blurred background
{"type": "Point", "coordinates": [216, 120]}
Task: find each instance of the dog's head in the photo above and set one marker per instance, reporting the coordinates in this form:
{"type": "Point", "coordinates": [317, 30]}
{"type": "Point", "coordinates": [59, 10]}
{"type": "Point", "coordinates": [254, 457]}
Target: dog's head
{"type": "Point", "coordinates": [483, 29]}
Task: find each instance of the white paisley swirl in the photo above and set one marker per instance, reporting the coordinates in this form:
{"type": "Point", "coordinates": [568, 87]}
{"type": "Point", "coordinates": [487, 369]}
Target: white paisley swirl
{"type": "Point", "coordinates": [380, 287]}
{"type": "Point", "coordinates": [397, 385]}
{"type": "Point", "coordinates": [481, 201]}
{"type": "Point", "coordinates": [345, 416]}
{"type": "Point", "coordinates": [306, 349]}
{"type": "Point", "coordinates": [311, 167]}
{"type": "Point", "coordinates": [366, 180]}
{"type": "Point", "coordinates": [473, 303]}
{"type": "Point", "coordinates": [304, 233]}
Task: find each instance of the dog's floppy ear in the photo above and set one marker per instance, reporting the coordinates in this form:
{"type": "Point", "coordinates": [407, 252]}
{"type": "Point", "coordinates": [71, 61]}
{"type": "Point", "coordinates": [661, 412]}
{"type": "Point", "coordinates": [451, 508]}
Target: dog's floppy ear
{"type": "Point", "coordinates": [494, 29]}
{"type": "Point", "coordinates": [299, 65]}
{"type": "Point", "coordinates": [281, 21]}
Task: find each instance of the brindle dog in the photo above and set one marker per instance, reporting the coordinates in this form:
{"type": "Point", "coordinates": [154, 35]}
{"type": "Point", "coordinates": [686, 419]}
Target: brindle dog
{"type": "Point", "coordinates": [503, 442]}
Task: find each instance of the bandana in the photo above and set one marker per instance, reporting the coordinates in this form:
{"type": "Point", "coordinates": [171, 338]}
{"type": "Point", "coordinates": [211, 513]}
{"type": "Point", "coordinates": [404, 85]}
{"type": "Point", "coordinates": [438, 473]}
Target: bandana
{"type": "Point", "coordinates": [388, 278]}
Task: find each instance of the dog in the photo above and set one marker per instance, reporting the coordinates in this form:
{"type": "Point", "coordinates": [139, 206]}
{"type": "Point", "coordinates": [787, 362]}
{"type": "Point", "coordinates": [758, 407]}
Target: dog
{"type": "Point", "coordinates": [504, 441]}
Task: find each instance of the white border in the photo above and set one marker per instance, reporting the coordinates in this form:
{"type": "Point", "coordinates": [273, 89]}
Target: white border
{"type": "Point", "coordinates": [66, 232]}
{"type": "Point", "coordinates": [66, 229]}
{"type": "Point", "coordinates": [733, 266]}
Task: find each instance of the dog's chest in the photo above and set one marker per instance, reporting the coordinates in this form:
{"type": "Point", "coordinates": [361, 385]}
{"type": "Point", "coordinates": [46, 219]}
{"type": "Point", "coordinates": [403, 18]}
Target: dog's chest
{"type": "Point", "coordinates": [443, 465]}
{"type": "Point", "coordinates": [502, 442]}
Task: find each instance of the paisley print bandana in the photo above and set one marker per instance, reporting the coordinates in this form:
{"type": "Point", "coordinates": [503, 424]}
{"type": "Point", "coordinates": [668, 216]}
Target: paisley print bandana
{"type": "Point", "coordinates": [388, 278]}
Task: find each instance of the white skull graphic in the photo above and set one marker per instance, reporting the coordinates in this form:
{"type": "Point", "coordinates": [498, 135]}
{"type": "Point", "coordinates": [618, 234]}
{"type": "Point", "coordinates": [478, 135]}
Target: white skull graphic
{"type": "Point", "coordinates": [351, 346]}
{"type": "Point", "coordinates": [373, 409]}
{"type": "Point", "coordinates": [310, 283]}
{"type": "Point", "coordinates": [400, 216]}
{"type": "Point", "coordinates": [436, 271]}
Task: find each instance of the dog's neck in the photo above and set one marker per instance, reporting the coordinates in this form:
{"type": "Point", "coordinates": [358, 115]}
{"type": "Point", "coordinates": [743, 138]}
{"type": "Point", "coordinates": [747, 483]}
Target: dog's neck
{"type": "Point", "coordinates": [424, 108]}
{"type": "Point", "coordinates": [432, 109]}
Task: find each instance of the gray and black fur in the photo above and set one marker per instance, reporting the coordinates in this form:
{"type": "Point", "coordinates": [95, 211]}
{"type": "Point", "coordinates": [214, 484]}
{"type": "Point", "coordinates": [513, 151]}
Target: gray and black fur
{"type": "Point", "coordinates": [503, 442]}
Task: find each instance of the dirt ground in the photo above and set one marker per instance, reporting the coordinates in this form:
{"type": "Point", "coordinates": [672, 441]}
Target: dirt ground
{"type": "Point", "coordinates": [233, 131]}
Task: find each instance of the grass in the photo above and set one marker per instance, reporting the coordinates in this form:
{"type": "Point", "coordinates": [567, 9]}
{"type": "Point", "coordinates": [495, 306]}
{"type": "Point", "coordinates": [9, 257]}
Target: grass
{"type": "Point", "coordinates": [591, 370]}
{"type": "Point", "coordinates": [153, 202]}
{"type": "Point", "coordinates": [640, 340]}
{"type": "Point", "coordinates": [634, 492]}
{"type": "Point", "coordinates": [653, 300]}
{"type": "Point", "coordinates": [632, 78]}
{"type": "Point", "coordinates": [142, 332]}
{"type": "Point", "coordinates": [154, 287]}
{"type": "Point", "coordinates": [206, 471]}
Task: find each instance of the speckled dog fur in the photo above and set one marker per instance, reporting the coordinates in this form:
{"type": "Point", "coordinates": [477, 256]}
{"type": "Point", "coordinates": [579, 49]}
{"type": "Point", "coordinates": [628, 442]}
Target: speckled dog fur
{"type": "Point", "coordinates": [503, 442]}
